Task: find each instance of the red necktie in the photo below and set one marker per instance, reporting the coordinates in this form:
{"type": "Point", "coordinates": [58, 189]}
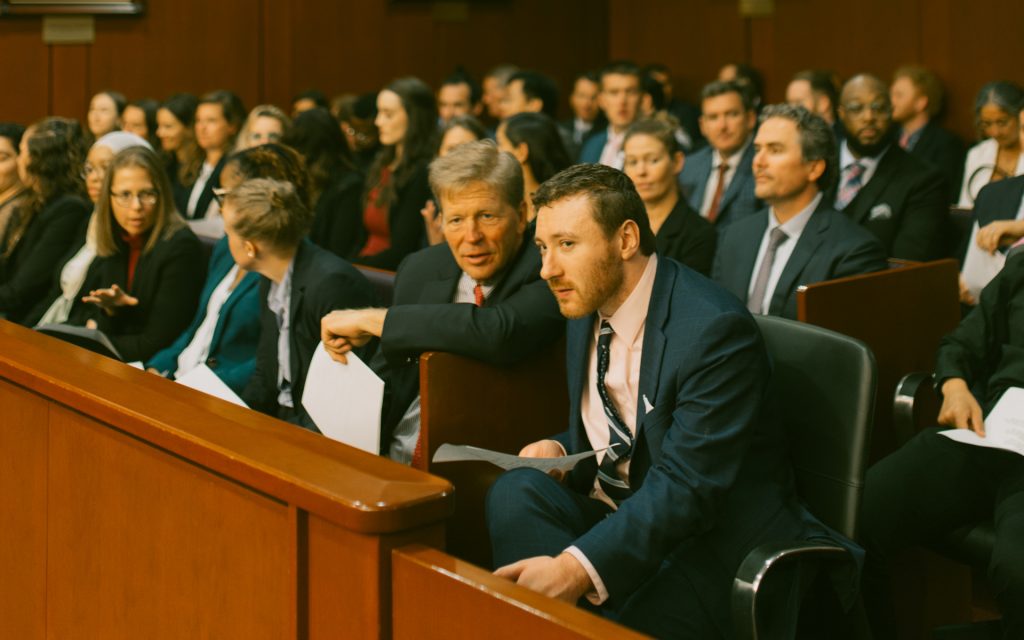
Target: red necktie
{"type": "Point", "coordinates": [719, 190]}
{"type": "Point", "coordinates": [417, 454]}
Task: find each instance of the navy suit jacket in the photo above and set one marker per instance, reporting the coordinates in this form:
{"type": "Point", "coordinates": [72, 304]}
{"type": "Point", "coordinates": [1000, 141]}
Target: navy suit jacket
{"type": "Point", "coordinates": [232, 354]}
{"type": "Point", "coordinates": [710, 472]}
{"type": "Point", "coordinates": [738, 201]}
{"type": "Point", "coordinates": [593, 146]}
{"type": "Point", "coordinates": [831, 246]}
{"type": "Point", "coordinates": [999, 200]}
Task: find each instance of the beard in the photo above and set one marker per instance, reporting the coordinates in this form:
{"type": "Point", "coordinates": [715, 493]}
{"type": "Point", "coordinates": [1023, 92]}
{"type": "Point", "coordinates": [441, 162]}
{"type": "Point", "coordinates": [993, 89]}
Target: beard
{"type": "Point", "coordinates": [600, 281]}
{"type": "Point", "coordinates": [871, 150]}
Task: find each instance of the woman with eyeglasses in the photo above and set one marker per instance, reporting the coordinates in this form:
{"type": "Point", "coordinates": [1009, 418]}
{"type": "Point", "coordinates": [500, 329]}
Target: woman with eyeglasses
{"type": "Point", "coordinates": [149, 262]}
{"type": "Point", "coordinates": [396, 185]}
{"type": "Point", "coordinates": [226, 328]}
{"type": "Point", "coordinates": [63, 303]}
{"type": "Point", "coordinates": [54, 216]}
{"type": "Point", "coordinates": [997, 115]}
{"type": "Point", "coordinates": [266, 223]}
{"type": "Point", "coordinates": [265, 124]}
{"type": "Point", "coordinates": [183, 157]}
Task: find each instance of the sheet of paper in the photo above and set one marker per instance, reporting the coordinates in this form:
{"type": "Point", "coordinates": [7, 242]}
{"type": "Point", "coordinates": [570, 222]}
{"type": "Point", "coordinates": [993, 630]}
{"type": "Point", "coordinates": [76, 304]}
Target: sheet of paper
{"type": "Point", "coordinates": [202, 378]}
{"type": "Point", "coordinates": [460, 453]}
{"type": "Point", "coordinates": [137, 364]}
{"type": "Point", "coordinates": [344, 400]}
{"type": "Point", "coordinates": [1004, 426]}
{"type": "Point", "coordinates": [980, 266]}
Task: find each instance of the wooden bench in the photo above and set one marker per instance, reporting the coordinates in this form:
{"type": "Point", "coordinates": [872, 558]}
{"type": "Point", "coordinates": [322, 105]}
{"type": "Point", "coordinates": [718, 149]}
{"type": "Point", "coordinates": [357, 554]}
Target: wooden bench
{"type": "Point", "coordinates": [901, 314]}
{"type": "Point", "coordinates": [135, 507]}
{"type": "Point", "coordinates": [438, 597]}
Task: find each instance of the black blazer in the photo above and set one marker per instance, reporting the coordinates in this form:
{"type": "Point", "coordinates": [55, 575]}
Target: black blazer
{"type": "Point", "coordinates": [32, 266]}
{"type": "Point", "coordinates": [336, 215]}
{"type": "Point", "coordinates": [321, 282]}
{"type": "Point", "coordinates": [830, 247]}
{"type": "Point", "coordinates": [168, 281]}
{"type": "Point", "coordinates": [404, 221]}
{"type": "Point", "coordinates": [80, 311]}
{"type": "Point", "coordinates": [904, 205]}
{"type": "Point", "coordinates": [206, 197]}
{"type": "Point", "coordinates": [518, 319]}
{"type": "Point", "coordinates": [999, 200]}
{"type": "Point", "coordinates": [944, 152]}
{"type": "Point", "coordinates": [687, 237]}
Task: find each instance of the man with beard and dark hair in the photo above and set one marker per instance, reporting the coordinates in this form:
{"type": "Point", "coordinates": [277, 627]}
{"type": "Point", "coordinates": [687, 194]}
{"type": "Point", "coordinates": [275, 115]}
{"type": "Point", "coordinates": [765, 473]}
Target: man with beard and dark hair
{"type": "Point", "coordinates": [882, 187]}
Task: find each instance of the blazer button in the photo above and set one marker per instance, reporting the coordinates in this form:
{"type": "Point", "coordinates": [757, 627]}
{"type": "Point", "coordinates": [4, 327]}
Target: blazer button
{"type": "Point", "coordinates": [211, 362]}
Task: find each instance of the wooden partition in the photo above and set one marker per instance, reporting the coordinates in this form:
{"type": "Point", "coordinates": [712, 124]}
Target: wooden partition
{"type": "Point", "coordinates": [135, 507]}
{"type": "Point", "coordinates": [901, 314]}
{"type": "Point", "coordinates": [464, 401]}
{"type": "Point", "coordinates": [436, 596]}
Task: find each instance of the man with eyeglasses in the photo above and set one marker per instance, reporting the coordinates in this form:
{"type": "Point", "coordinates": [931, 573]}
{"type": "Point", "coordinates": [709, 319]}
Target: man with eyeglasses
{"type": "Point", "coordinates": [478, 294]}
{"type": "Point", "coordinates": [882, 187]}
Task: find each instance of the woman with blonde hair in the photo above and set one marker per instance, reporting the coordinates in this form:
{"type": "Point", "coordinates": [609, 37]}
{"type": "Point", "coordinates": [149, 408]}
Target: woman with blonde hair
{"type": "Point", "coordinates": [150, 262]}
{"type": "Point", "coordinates": [265, 124]}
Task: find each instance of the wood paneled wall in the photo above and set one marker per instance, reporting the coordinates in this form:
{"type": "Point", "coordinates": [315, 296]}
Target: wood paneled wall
{"type": "Point", "coordinates": [268, 50]}
{"type": "Point", "coordinates": [966, 43]}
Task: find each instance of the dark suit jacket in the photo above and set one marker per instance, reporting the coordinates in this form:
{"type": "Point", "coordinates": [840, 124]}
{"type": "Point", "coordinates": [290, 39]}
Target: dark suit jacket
{"type": "Point", "coordinates": [593, 146]}
{"type": "Point", "coordinates": [206, 197]}
{"type": "Point", "coordinates": [518, 319]}
{"type": "Point", "coordinates": [905, 206]}
{"type": "Point", "coordinates": [32, 266]}
{"type": "Point", "coordinates": [830, 247]}
{"type": "Point", "coordinates": [944, 152]}
{"type": "Point", "coordinates": [710, 472]}
{"type": "Point", "coordinates": [688, 238]}
{"type": "Point", "coordinates": [738, 201]}
{"type": "Point", "coordinates": [404, 222]}
{"type": "Point", "coordinates": [232, 354]}
{"type": "Point", "coordinates": [167, 283]}
{"type": "Point", "coordinates": [337, 223]}
{"type": "Point", "coordinates": [999, 200]}
{"type": "Point", "coordinates": [321, 282]}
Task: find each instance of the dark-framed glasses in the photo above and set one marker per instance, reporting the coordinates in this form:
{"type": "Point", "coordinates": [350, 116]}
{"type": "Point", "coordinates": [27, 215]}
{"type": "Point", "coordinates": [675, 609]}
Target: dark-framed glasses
{"type": "Point", "coordinates": [146, 197]}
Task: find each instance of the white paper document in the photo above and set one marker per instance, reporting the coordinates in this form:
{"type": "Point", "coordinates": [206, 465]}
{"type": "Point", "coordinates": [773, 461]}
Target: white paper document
{"type": "Point", "coordinates": [461, 453]}
{"type": "Point", "coordinates": [980, 266]}
{"type": "Point", "coordinates": [202, 378]}
{"type": "Point", "coordinates": [1004, 426]}
{"type": "Point", "coordinates": [344, 400]}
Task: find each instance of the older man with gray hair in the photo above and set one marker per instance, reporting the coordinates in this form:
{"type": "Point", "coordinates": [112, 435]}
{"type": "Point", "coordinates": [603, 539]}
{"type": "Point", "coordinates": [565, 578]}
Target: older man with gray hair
{"type": "Point", "coordinates": [799, 239]}
{"type": "Point", "coordinates": [478, 294]}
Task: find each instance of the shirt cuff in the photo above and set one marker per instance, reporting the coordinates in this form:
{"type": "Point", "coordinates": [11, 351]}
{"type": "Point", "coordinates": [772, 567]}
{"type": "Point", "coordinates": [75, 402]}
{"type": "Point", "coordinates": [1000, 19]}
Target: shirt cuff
{"type": "Point", "coordinates": [599, 593]}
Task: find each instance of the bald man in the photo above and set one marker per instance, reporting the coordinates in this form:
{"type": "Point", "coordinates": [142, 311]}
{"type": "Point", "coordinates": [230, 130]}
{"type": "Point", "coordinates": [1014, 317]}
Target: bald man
{"type": "Point", "coordinates": [882, 187]}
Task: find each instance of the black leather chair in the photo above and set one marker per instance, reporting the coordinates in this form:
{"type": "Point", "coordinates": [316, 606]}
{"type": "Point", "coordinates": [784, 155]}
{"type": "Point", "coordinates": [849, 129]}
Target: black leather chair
{"type": "Point", "coordinates": [823, 386]}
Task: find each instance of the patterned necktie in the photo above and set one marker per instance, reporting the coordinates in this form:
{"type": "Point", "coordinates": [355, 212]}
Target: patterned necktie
{"type": "Point", "coordinates": [716, 201]}
{"type": "Point", "coordinates": [852, 183]}
{"type": "Point", "coordinates": [755, 303]}
{"type": "Point", "coordinates": [620, 441]}
{"type": "Point", "coordinates": [478, 295]}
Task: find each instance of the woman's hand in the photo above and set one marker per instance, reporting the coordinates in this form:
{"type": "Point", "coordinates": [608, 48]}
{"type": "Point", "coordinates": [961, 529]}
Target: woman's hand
{"type": "Point", "coordinates": [432, 222]}
{"type": "Point", "coordinates": [110, 300]}
{"type": "Point", "coordinates": [999, 233]}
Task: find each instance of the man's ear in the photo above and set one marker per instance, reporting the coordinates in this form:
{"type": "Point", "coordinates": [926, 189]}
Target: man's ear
{"type": "Point", "coordinates": [629, 238]}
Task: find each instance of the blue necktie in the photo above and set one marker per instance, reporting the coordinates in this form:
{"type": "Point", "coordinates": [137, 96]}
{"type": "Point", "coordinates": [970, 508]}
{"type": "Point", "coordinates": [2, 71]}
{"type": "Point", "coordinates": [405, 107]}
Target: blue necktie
{"type": "Point", "coordinates": [620, 441]}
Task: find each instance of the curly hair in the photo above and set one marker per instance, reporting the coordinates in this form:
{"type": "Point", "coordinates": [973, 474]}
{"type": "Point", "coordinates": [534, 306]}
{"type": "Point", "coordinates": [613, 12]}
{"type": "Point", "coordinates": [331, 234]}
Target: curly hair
{"type": "Point", "coordinates": [276, 162]}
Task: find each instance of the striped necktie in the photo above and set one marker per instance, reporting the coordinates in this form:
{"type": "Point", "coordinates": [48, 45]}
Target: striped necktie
{"type": "Point", "coordinates": [620, 441]}
{"type": "Point", "coordinates": [852, 182]}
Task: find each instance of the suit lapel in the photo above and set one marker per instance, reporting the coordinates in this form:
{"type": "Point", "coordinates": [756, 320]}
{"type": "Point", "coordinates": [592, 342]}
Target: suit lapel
{"type": "Point", "coordinates": [860, 206]}
{"type": "Point", "coordinates": [653, 351]}
{"type": "Point", "coordinates": [303, 259]}
{"type": "Point", "coordinates": [804, 250]}
{"type": "Point", "coordinates": [247, 283]}
{"type": "Point", "coordinates": [577, 361]}
{"type": "Point", "coordinates": [740, 180]}
{"type": "Point", "coordinates": [442, 288]}
{"type": "Point", "coordinates": [748, 245]}
{"type": "Point", "coordinates": [703, 173]}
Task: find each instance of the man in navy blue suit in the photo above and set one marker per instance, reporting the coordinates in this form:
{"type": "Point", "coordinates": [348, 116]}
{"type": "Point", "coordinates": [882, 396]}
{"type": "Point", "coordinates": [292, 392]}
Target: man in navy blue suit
{"type": "Point", "coordinates": [619, 99]}
{"type": "Point", "coordinates": [666, 374]}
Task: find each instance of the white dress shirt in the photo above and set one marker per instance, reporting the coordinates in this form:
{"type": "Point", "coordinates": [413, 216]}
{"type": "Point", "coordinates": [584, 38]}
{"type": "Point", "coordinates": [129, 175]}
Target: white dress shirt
{"type": "Point", "coordinates": [793, 228]}
{"type": "Point", "coordinates": [846, 160]}
{"type": "Point", "coordinates": [198, 350]}
{"type": "Point", "coordinates": [279, 300]}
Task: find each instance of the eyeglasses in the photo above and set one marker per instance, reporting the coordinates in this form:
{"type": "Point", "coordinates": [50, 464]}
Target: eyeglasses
{"type": "Point", "coordinates": [219, 194]}
{"type": "Point", "coordinates": [90, 169]}
{"type": "Point", "coordinates": [878, 108]}
{"type": "Point", "coordinates": [146, 198]}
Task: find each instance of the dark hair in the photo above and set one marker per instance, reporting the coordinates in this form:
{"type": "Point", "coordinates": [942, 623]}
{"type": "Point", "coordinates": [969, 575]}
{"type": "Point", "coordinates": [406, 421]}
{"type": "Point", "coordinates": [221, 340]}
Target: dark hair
{"type": "Point", "coordinates": [653, 88]}
{"type": "Point", "coordinates": [183, 107]}
{"type": "Point", "coordinates": [13, 132]}
{"type": "Point", "coordinates": [749, 77]}
{"type": "Point", "coordinates": [459, 76]}
{"type": "Point", "coordinates": [316, 135]}
{"type": "Point", "coordinates": [547, 155]}
{"type": "Point", "coordinates": [318, 97]}
{"type": "Point", "coordinates": [660, 127]}
{"type": "Point", "coordinates": [622, 68]}
{"type": "Point", "coordinates": [149, 107]}
{"type": "Point", "coordinates": [655, 67]}
{"type": "Point", "coordinates": [824, 83]}
{"type": "Point", "coordinates": [722, 87]}
{"type": "Point", "coordinates": [590, 75]}
{"type": "Point", "coordinates": [1008, 96]}
{"type": "Point", "coordinates": [539, 86]}
{"type": "Point", "coordinates": [612, 196]}
{"type": "Point", "coordinates": [926, 82]}
{"type": "Point", "coordinates": [467, 122]}
{"type": "Point", "coordinates": [120, 102]}
{"type": "Point", "coordinates": [274, 161]}
{"type": "Point", "coordinates": [231, 107]}
{"type": "Point", "coordinates": [418, 144]}
{"type": "Point", "coordinates": [817, 140]}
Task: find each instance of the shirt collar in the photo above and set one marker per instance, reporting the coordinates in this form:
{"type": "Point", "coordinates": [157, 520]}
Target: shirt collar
{"type": "Point", "coordinates": [734, 159]}
{"type": "Point", "coordinates": [795, 225]}
{"type": "Point", "coordinates": [628, 319]}
{"type": "Point", "coordinates": [280, 292]}
{"type": "Point", "coordinates": [846, 158]}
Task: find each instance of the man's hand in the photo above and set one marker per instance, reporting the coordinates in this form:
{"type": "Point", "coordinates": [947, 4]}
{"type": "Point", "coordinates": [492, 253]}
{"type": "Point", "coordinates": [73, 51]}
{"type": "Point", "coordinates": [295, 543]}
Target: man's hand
{"type": "Point", "coordinates": [545, 449]}
{"type": "Point", "coordinates": [347, 329]}
{"type": "Point", "coordinates": [110, 300]}
{"type": "Point", "coordinates": [562, 577]}
{"type": "Point", "coordinates": [959, 407]}
{"type": "Point", "coordinates": [998, 233]}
